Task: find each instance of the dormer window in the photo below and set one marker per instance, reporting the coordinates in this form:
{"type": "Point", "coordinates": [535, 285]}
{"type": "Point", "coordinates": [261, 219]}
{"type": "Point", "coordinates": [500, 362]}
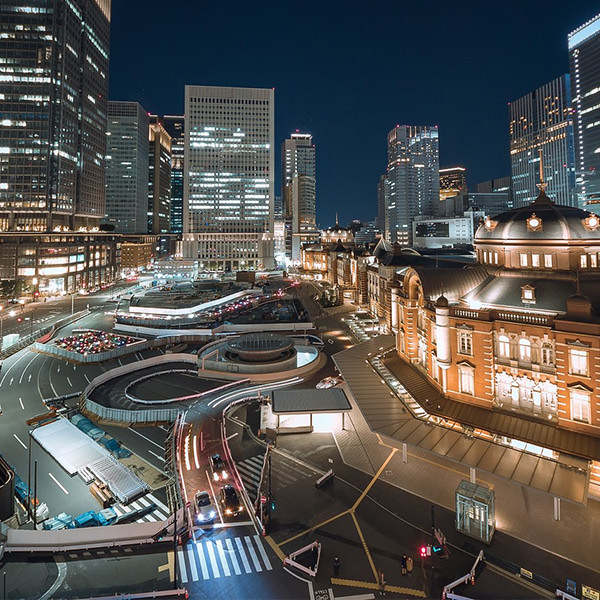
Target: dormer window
{"type": "Point", "coordinates": [591, 223]}
{"type": "Point", "coordinates": [490, 224]}
{"type": "Point", "coordinates": [528, 294]}
{"type": "Point", "coordinates": [534, 223]}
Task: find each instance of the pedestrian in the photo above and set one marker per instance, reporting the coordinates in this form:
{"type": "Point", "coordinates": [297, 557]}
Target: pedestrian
{"type": "Point", "coordinates": [403, 564]}
{"type": "Point", "coordinates": [381, 583]}
{"type": "Point", "coordinates": [409, 565]}
{"type": "Point", "coordinates": [336, 566]}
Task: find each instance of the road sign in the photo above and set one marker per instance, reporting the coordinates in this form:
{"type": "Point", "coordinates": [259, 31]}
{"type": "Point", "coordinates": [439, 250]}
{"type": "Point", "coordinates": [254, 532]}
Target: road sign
{"type": "Point", "coordinates": [263, 499]}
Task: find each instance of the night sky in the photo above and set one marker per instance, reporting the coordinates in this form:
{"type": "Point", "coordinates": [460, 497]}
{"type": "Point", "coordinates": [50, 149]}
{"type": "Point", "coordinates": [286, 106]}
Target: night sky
{"type": "Point", "coordinates": [348, 72]}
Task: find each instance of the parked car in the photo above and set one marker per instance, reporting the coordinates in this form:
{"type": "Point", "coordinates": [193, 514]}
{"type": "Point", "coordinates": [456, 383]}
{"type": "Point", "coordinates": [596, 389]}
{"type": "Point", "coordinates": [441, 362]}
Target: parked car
{"type": "Point", "coordinates": [230, 501]}
{"type": "Point", "coordinates": [329, 382]}
{"type": "Point", "coordinates": [218, 468]}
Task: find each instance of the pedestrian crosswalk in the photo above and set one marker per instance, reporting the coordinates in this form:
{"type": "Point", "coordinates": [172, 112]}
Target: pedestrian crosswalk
{"type": "Point", "coordinates": [222, 557]}
{"type": "Point", "coordinates": [284, 472]}
{"type": "Point", "coordinates": [160, 513]}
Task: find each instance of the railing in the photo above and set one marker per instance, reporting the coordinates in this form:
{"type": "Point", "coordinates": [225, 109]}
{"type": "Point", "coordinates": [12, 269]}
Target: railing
{"type": "Point", "coordinates": [525, 318]}
{"type": "Point", "coordinates": [121, 415]}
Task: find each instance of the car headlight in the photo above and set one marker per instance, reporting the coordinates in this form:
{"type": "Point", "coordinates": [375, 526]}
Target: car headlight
{"type": "Point", "coordinates": [224, 475]}
{"type": "Point", "coordinates": [240, 508]}
{"type": "Point", "coordinates": [212, 514]}
{"type": "Point", "coordinates": [216, 476]}
{"type": "Point", "coordinates": [228, 511]}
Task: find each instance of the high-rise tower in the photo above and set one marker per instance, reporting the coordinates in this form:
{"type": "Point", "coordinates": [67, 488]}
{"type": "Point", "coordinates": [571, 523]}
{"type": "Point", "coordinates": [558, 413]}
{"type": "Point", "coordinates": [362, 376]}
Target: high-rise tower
{"type": "Point", "coordinates": [413, 178]}
{"type": "Point", "coordinates": [584, 67]}
{"type": "Point", "coordinates": [159, 180]}
{"type": "Point", "coordinates": [541, 129]}
{"type": "Point", "coordinates": [175, 127]}
{"type": "Point", "coordinates": [53, 102]}
{"type": "Point", "coordinates": [298, 178]}
{"type": "Point", "coordinates": [229, 177]}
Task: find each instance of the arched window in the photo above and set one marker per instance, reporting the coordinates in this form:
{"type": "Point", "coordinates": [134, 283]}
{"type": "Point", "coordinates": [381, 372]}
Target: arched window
{"type": "Point", "coordinates": [524, 350]}
{"type": "Point", "coordinates": [503, 346]}
{"type": "Point", "coordinates": [547, 355]}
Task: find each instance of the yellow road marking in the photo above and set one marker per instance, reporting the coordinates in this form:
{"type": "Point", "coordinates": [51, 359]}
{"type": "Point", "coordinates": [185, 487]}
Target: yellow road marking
{"type": "Point", "coordinates": [275, 547]}
{"type": "Point", "coordinates": [170, 566]}
{"type": "Point", "coordinates": [365, 547]}
{"type": "Point", "coordinates": [299, 535]}
{"type": "Point", "coordinates": [375, 478]}
{"type": "Point", "coordinates": [369, 585]}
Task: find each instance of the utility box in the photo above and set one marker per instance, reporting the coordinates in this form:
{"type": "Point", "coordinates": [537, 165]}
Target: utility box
{"type": "Point", "coordinates": [475, 511]}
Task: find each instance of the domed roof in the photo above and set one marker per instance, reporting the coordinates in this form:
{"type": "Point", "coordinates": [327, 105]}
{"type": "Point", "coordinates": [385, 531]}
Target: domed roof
{"type": "Point", "coordinates": [541, 220]}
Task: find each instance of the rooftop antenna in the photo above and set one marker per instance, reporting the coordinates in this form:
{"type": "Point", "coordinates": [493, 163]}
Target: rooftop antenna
{"type": "Point", "coordinates": [336, 219]}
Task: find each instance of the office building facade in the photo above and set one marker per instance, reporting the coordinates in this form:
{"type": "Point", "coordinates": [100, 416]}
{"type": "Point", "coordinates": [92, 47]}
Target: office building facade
{"type": "Point", "coordinates": [229, 177]}
{"type": "Point", "coordinates": [541, 144]}
{"type": "Point", "coordinates": [413, 178]}
{"type": "Point", "coordinates": [584, 68]}
{"type": "Point", "coordinates": [127, 167]}
{"type": "Point", "coordinates": [453, 181]}
{"type": "Point", "coordinates": [53, 101]}
{"type": "Point", "coordinates": [382, 202]}
{"type": "Point", "coordinates": [159, 180]}
{"type": "Point", "coordinates": [175, 127]}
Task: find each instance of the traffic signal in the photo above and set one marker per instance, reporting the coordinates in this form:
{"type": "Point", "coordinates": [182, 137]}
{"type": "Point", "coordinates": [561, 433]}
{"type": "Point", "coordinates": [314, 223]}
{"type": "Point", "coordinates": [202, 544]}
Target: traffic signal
{"type": "Point", "coordinates": [423, 551]}
{"type": "Point", "coordinates": [36, 294]}
{"type": "Point", "coordinates": [273, 504]}
{"type": "Point", "coordinates": [440, 550]}
{"type": "Point", "coordinates": [19, 319]}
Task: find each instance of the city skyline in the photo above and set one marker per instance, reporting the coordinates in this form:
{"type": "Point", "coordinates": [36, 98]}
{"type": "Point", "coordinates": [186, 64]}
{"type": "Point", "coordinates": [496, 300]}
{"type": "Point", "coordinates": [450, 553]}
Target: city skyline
{"type": "Point", "coordinates": [337, 95]}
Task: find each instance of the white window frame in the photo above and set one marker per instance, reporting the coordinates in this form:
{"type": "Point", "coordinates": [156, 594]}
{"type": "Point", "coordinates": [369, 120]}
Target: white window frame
{"type": "Point", "coordinates": [523, 259]}
{"type": "Point", "coordinates": [524, 350]}
{"type": "Point", "coordinates": [466, 379]}
{"type": "Point", "coordinates": [535, 260]}
{"type": "Point", "coordinates": [465, 342]}
{"type": "Point", "coordinates": [548, 261]}
{"type": "Point", "coordinates": [579, 361]}
{"type": "Point", "coordinates": [547, 355]}
{"type": "Point", "coordinates": [583, 261]}
{"type": "Point", "coordinates": [581, 405]}
{"type": "Point", "coordinates": [503, 346]}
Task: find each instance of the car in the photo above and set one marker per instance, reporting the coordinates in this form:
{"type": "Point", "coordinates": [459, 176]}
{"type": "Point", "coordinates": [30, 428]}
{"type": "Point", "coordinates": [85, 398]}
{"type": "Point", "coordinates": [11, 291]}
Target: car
{"type": "Point", "coordinates": [329, 382]}
{"type": "Point", "coordinates": [218, 468]}
{"type": "Point", "coordinates": [205, 511]}
{"type": "Point", "coordinates": [230, 501]}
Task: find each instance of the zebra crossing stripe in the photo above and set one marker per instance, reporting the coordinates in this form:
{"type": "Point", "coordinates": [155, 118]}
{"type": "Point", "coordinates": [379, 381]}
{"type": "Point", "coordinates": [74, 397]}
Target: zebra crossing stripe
{"type": "Point", "coordinates": [193, 569]}
{"type": "Point", "coordinates": [246, 475]}
{"type": "Point", "coordinates": [213, 560]}
{"type": "Point", "coordinates": [224, 564]}
{"type": "Point", "coordinates": [144, 501]}
{"type": "Point", "coordinates": [203, 565]}
{"type": "Point", "coordinates": [231, 552]}
{"type": "Point", "coordinates": [263, 553]}
{"type": "Point", "coordinates": [253, 554]}
{"type": "Point", "coordinates": [160, 504]}
{"type": "Point", "coordinates": [151, 518]}
{"type": "Point", "coordinates": [182, 569]}
{"type": "Point", "coordinates": [245, 562]}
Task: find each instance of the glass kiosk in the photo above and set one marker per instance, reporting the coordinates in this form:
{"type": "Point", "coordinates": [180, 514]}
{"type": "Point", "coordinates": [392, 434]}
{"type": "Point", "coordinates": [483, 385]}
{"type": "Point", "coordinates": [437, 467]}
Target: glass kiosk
{"type": "Point", "coordinates": [475, 511]}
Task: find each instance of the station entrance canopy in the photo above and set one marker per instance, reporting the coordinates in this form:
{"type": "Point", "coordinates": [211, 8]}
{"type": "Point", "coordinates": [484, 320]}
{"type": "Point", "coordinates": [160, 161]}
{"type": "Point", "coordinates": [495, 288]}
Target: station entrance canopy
{"type": "Point", "coordinates": [302, 402]}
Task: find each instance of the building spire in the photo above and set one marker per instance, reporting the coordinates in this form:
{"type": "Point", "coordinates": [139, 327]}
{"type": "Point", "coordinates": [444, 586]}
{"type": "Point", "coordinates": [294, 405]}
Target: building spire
{"type": "Point", "coordinates": [336, 220]}
{"type": "Point", "coordinates": [542, 184]}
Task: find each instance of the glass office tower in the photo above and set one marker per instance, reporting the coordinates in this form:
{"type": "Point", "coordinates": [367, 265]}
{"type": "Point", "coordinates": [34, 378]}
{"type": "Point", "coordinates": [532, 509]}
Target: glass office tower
{"type": "Point", "coordinates": [53, 101]}
{"type": "Point", "coordinates": [159, 180]}
{"type": "Point", "coordinates": [541, 129]}
{"type": "Point", "coordinates": [584, 66]}
{"type": "Point", "coordinates": [229, 177]}
{"type": "Point", "coordinates": [413, 178]}
{"type": "Point", "coordinates": [175, 127]}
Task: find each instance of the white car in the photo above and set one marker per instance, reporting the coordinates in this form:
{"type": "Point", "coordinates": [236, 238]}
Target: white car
{"type": "Point", "coordinates": [329, 382]}
{"type": "Point", "coordinates": [205, 511]}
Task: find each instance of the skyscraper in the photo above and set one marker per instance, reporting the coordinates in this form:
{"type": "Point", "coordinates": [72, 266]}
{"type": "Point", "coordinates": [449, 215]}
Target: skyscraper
{"type": "Point", "coordinates": [175, 127]}
{"type": "Point", "coordinates": [229, 177]}
{"type": "Point", "coordinates": [53, 95]}
{"type": "Point", "coordinates": [584, 67]}
{"type": "Point", "coordinates": [159, 180]}
{"type": "Point", "coordinates": [127, 167]}
{"type": "Point", "coordinates": [453, 181]}
{"type": "Point", "coordinates": [298, 179]}
{"type": "Point", "coordinates": [541, 129]}
{"type": "Point", "coordinates": [382, 202]}
{"type": "Point", "coordinates": [53, 102]}
{"type": "Point", "coordinates": [413, 176]}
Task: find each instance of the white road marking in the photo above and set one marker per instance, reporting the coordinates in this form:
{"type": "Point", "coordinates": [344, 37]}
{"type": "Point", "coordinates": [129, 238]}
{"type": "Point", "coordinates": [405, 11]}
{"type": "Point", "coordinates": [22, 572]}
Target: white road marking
{"type": "Point", "coordinates": [193, 569]}
{"type": "Point", "coordinates": [69, 382]}
{"type": "Point", "coordinates": [86, 377]}
{"type": "Point", "coordinates": [29, 377]}
{"type": "Point", "coordinates": [182, 569]}
{"type": "Point", "coordinates": [263, 553]}
{"type": "Point", "coordinates": [252, 554]}
{"type": "Point", "coordinates": [224, 564]}
{"type": "Point", "coordinates": [213, 560]}
{"type": "Point", "coordinates": [146, 438]}
{"type": "Point", "coordinates": [159, 504]}
{"type": "Point", "coordinates": [234, 562]}
{"type": "Point", "coordinates": [19, 440]}
{"type": "Point", "coordinates": [232, 435]}
{"type": "Point", "coordinates": [65, 490]}
{"type": "Point", "coordinates": [245, 562]}
{"type": "Point", "coordinates": [58, 369]}
{"type": "Point", "coordinates": [157, 456]}
{"type": "Point", "coordinates": [203, 565]}
{"type": "Point", "coordinates": [11, 380]}
{"type": "Point", "coordinates": [21, 402]}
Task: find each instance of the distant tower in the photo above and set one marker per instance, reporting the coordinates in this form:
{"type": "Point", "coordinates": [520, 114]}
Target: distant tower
{"type": "Point", "coordinates": [127, 167]}
{"type": "Point", "coordinates": [229, 177]}
{"type": "Point", "coordinates": [175, 127]}
{"type": "Point", "coordinates": [541, 120]}
{"type": "Point", "coordinates": [413, 175]}
{"type": "Point", "coordinates": [298, 168]}
{"type": "Point", "coordinates": [382, 202]}
{"type": "Point", "coordinates": [584, 67]}
{"type": "Point", "coordinates": [453, 181]}
{"type": "Point", "coordinates": [159, 180]}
